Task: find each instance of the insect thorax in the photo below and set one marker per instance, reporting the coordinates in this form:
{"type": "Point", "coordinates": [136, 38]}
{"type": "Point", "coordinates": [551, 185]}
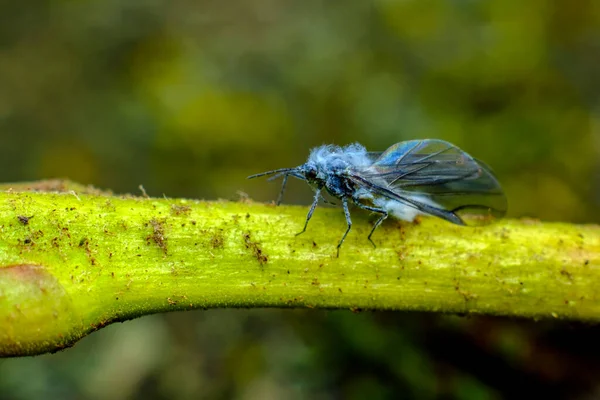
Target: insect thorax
{"type": "Point", "coordinates": [338, 186]}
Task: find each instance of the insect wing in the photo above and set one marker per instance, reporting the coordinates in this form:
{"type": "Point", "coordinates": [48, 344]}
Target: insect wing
{"type": "Point", "coordinates": [437, 178]}
{"type": "Point", "coordinates": [374, 155]}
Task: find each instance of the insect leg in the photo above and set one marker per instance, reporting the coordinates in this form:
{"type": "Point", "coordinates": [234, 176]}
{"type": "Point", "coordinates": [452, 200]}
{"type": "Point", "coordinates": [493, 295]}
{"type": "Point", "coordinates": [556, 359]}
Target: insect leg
{"type": "Point", "coordinates": [280, 197]}
{"type": "Point", "coordinates": [327, 201]}
{"type": "Point", "coordinates": [312, 209]}
{"type": "Point", "coordinates": [348, 221]}
{"type": "Point", "coordinates": [384, 215]}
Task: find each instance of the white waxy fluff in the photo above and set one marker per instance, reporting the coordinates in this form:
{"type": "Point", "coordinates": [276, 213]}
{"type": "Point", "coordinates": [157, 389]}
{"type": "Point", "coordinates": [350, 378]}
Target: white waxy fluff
{"type": "Point", "coordinates": [402, 211]}
{"type": "Point", "coordinates": [329, 157]}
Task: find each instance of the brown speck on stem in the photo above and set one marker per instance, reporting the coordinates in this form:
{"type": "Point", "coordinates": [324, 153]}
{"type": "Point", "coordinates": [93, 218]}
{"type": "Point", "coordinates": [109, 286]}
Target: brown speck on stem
{"type": "Point", "coordinates": [217, 241]}
{"type": "Point", "coordinates": [256, 250]}
{"type": "Point", "coordinates": [24, 220]}
{"type": "Point", "coordinates": [566, 273]}
{"type": "Point", "coordinates": [158, 234]}
{"type": "Point", "coordinates": [178, 209]}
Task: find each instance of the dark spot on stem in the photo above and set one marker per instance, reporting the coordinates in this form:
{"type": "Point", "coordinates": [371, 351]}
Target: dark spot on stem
{"type": "Point", "coordinates": [217, 241]}
{"type": "Point", "coordinates": [178, 210]}
{"type": "Point", "coordinates": [85, 242]}
{"type": "Point", "coordinates": [254, 247]}
{"type": "Point", "coordinates": [566, 273]}
{"type": "Point", "coordinates": [158, 235]}
{"type": "Point", "coordinates": [24, 220]}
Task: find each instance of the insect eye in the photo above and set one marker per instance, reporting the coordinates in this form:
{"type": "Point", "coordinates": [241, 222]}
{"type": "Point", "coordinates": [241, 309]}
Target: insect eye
{"type": "Point", "coordinates": [311, 173]}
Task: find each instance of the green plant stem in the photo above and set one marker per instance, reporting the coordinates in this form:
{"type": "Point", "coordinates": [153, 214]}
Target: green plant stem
{"type": "Point", "coordinates": [72, 263]}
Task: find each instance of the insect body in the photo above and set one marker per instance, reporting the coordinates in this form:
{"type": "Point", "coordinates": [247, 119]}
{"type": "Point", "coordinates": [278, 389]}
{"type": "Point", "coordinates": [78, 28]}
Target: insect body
{"type": "Point", "coordinates": [410, 178]}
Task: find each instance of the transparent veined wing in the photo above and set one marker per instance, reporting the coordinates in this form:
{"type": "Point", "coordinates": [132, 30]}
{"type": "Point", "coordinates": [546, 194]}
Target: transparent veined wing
{"type": "Point", "coordinates": [374, 155]}
{"type": "Point", "coordinates": [437, 178]}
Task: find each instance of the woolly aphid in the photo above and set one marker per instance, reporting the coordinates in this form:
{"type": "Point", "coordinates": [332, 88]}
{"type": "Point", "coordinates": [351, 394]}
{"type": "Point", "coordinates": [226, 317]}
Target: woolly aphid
{"type": "Point", "coordinates": [410, 178]}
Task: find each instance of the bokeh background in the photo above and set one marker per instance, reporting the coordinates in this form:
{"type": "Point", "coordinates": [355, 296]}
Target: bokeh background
{"type": "Point", "coordinates": [190, 97]}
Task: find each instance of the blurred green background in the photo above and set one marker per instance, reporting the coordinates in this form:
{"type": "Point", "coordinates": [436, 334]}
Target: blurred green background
{"type": "Point", "coordinates": [190, 97]}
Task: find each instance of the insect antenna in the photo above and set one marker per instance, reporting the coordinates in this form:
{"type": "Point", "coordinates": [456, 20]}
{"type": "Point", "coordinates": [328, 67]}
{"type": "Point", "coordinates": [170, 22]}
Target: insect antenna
{"type": "Point", "coordinates": [279, 172]}
{"type": "Point", "coordinates": [276, 176]}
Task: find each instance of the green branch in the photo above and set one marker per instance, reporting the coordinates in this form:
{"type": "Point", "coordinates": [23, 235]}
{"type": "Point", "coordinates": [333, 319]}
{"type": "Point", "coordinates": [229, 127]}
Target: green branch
{"type": "Point", "coordinates": [74, 261]}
